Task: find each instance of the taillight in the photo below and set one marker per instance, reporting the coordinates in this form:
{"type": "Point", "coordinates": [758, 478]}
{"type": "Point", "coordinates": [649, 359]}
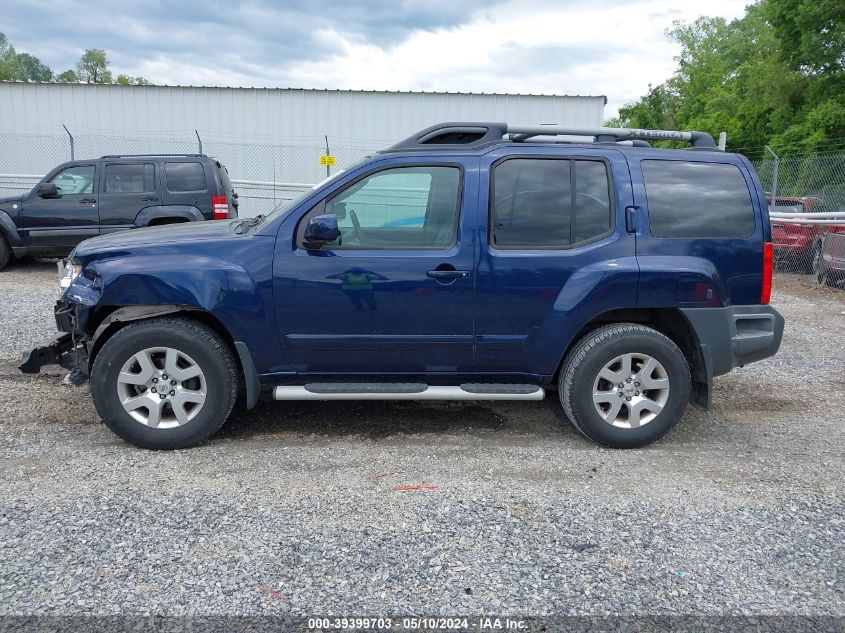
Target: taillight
{"type": "Point", "coordinates": [219, 207]}
{"type": "Point", "coordinates": [768, 264]}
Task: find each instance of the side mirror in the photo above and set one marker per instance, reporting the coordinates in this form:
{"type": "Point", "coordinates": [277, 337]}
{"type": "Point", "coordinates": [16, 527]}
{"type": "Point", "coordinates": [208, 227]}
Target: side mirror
{"type": "Point", "coordinates": [320, 229]}
{"type": "Point", "coordinates": [48, 190]}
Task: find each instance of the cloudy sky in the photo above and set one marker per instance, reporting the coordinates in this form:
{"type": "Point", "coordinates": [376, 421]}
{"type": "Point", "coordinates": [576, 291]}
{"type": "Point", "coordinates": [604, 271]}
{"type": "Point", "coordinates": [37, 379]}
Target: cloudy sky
{"type": "Point", "coordinates": [597, 47]}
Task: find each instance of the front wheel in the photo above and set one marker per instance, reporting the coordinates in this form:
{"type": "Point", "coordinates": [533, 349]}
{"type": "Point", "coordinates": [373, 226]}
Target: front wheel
{"type": "Point", "coordinates": [624, 385]}
{"type": "Point", "coordinates": [5, 252]}
{"type": "Point", "coordinates": [164, 383]}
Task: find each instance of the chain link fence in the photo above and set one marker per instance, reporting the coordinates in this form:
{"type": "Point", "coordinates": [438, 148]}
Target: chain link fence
{"type": "Point", "coordinates": [806, 192]}
{"type": "Point", "coordinates": [265, 173]}
{"type": "Point", "coordinates": [806, 196]}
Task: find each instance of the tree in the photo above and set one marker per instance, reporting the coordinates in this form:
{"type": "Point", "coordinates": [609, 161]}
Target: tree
{"type": "Point", "coordinates": [93, 67]}
{"type": "Point", "coordinates": [811, 32]}
{"type": "Point", "coordinates": [67, 77]}
{"type": "Point", "coordinates": [738, 77]}
{"type": "Point", "coordinates": [5, 48]}
{"type": "Point", "coordinates": [16, 66]}
{"type": "Point", "coordinates": [26, 67]}
{"type": "Point", "coordinates": [126, 80]}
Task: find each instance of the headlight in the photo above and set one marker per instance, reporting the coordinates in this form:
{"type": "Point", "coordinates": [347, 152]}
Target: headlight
{"type": "Point", "coordinates": [68, 271]}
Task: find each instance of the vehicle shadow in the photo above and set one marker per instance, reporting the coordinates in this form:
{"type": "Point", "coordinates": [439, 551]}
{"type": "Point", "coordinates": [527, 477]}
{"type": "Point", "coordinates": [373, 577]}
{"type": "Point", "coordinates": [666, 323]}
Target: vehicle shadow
{"type": "Point", "coordinates": [30, 264]}
{"type": "Point", "coordinates": [382, 419]}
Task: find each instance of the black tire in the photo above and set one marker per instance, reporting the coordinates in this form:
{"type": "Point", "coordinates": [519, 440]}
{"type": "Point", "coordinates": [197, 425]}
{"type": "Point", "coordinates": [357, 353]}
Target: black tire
{"type": "Point", "coordinates": [202, 345]}
{"type": "Point", "coordinates": [592, 353]}
{"type": "Point", "coordinates": [5, 252]}
{"type": "Point", "coordinates": [813, 266]}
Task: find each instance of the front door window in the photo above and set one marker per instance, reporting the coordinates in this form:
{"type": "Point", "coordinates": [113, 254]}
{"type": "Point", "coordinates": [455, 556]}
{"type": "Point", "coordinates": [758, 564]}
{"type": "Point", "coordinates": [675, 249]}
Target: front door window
{"type": "Point", "coordinates": [405, 207]}
{"type": "Point", "coordinates": [76, 179]}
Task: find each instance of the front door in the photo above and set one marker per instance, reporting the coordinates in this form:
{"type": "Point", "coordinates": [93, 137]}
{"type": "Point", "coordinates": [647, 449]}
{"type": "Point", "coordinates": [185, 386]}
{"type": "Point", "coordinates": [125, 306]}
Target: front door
{"type": "Point", "coordinates": [394, 294]}
{"type": "Point", "coordinates": [59, 224]}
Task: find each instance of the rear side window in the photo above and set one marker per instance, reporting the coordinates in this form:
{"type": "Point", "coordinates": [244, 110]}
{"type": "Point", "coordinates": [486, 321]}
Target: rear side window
{"type": "Point", "coordinates": [688, 199]}
{"type": "Point", "coordinates": [185, 177]}
{"type": "Point", "coordinates": [225, 182]}
{"type": "Point", "coordinates": [549, 203]}
{"type": "Point", "coordinates": [136, 178]}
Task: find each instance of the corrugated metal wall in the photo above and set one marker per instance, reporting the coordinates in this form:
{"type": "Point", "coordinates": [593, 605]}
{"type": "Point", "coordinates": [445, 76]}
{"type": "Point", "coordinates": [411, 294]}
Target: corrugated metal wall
{"type": "Point", "coordinates": [271, 138]}
{"type": "Point", "coordinates": [284, 115]}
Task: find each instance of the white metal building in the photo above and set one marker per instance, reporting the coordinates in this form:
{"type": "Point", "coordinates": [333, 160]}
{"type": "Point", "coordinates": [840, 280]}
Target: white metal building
{"type": "Point", "coordinates": [285, 115]}
{"type": "Point", "coordinates": [261, 134]}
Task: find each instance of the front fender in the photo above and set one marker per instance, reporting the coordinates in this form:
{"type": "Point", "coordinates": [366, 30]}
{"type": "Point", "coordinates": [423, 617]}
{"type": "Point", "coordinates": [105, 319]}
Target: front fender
{"type": "Point", "coordinates": [202, 282]}
{"type": "Point", "coordinates": [185, 212]}
{"type": "Point", "coordinates": [234, 287]}
{"type": "Point", "coordinates": [9, 230]}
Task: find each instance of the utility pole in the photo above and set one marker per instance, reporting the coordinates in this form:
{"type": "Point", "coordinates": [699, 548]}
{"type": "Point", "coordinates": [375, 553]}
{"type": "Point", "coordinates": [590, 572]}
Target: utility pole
{"type": "Point", "coordinates": [70, 136]}
{"type": "Point", "coordinates": [775, 164]}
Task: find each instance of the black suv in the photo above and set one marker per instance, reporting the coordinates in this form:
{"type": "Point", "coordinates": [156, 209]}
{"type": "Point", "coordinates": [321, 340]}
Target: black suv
{"type": "Point", "coordinates": [84, 198]}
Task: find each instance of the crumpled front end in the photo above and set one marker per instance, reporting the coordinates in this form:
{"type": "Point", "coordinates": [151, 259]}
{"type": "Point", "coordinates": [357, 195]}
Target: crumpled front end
{"type": "Point", "coordinates": [69, 346]}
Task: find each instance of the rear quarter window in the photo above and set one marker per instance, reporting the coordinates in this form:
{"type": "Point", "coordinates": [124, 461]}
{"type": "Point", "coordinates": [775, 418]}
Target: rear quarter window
{"type": "Point", "coordinates": [185, 177]}
{"type": "Point", "coordinates": [690, 199]}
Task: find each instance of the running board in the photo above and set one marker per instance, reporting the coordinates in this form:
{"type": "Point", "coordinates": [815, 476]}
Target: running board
{"type": "Point", "coordinates": [407, 391]}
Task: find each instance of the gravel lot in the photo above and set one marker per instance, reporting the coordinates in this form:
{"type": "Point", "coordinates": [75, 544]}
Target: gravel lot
{"type": "Point", "coordinates": [293, 509]}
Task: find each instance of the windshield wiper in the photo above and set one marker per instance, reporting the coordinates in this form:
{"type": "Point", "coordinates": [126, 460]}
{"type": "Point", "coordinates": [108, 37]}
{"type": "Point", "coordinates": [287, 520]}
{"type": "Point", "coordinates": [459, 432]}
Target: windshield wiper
{"type": "Point", "coordinates": [247, 223]}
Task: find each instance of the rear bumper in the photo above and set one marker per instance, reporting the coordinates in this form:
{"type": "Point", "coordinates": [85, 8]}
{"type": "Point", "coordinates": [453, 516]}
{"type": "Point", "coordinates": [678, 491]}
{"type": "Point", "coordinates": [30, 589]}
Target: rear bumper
{"type": "Point", "coordinates": [735, 335]}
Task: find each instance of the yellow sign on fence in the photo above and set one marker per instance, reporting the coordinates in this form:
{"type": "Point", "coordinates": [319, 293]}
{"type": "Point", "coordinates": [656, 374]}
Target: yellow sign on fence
{"type": "Point", "coordinates": [328, 160]}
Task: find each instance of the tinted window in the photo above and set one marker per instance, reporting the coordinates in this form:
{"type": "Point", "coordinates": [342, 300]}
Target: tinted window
{"type": "Point", "coordinates": [534, 199]}
{"type": "Point", "coordinates": [690, 199]}
{"type": "Point", "coordinates": [130, 178]}
{"type": "Point", "coordinates": [185, 177]}
{"type": "Point", "coordinates": [592, 200]}
{"type": "Point", "coordinates": [225, 182]}
{"type": "Point", "coordinates": [79, 179]}
{"type": "Point", "coordinates": [407, 206]}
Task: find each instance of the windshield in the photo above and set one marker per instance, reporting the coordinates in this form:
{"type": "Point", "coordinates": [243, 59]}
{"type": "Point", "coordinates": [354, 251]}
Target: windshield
{"type": "Point", "coordinates": [295, 196]}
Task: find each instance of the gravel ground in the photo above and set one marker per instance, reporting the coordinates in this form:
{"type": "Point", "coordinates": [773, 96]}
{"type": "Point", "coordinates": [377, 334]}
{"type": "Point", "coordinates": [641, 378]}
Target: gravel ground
{"type": "Point", "coordinates": [293, 508]}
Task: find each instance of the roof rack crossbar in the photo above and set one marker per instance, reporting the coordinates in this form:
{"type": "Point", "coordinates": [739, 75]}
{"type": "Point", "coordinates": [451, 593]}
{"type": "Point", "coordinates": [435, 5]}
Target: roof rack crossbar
{"type": "Point", "coordinates": [610, 134]}
{"type": "Point", "coordinates": [477, 134]}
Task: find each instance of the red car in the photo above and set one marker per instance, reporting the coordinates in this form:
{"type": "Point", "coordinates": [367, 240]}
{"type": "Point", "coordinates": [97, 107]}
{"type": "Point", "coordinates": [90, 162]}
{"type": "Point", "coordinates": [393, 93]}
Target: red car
{"type": "Point", "coordinates": [797, 245]}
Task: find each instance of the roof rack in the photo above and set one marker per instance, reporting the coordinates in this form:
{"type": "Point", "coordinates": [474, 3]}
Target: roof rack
{"type": "Point", "coordinates": [151, 155]}
{"type": "Point", "coordinates": [473, 135]}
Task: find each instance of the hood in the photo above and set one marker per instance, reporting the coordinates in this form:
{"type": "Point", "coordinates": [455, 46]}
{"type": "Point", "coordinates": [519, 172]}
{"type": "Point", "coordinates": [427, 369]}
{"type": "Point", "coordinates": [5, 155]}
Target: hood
{"type": "Point", "coordinates": [166, 235]}
{"type": "Point", "coordinates": [9, 201]}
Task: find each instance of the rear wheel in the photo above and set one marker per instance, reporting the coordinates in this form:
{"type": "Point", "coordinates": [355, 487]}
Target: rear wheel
{"type": "Point", "coordinates": [815, 262]}
{"type": "Point", "coordinates": [624, 385]}
{"type": "Point", "coordinates": [164, 383]}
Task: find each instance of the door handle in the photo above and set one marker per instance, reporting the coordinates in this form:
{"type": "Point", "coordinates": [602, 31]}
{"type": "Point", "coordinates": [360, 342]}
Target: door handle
{"type": "Point", "coordinates": [88, 201]}
{"type": "Point", "coordinates": [631, 219]}
{"type": "Point", "coordinates": [448, 274]}
{"type": "Point", "coordinates": [149, 199]}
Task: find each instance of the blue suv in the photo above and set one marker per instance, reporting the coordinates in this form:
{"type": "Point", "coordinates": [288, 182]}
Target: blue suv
{"type": "Point", "coordinates": [472, 261]}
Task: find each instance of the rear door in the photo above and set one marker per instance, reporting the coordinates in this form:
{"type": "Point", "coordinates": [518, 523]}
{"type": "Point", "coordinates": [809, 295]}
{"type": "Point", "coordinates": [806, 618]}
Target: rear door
{"type": "Point", "coordinates": [700, 235]}
{"type": "Point", "coordinates": [126, 188]}
{"type": "Point", "coordinates": [555, 253]}
{"type": "Point", "coordinates": [59, 224]}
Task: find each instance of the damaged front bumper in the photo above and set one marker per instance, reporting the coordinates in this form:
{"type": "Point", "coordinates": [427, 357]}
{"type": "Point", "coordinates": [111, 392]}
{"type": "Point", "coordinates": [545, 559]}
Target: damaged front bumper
{"type": "Point", "coordinates": [67, 348]}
